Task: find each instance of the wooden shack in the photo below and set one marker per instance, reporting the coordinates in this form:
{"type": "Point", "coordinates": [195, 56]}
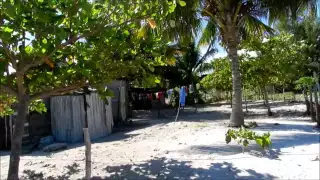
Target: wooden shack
{"type": "Point", "coordinates": [68, 117]}
{"type": "Point", "coordinates": [120, 100]}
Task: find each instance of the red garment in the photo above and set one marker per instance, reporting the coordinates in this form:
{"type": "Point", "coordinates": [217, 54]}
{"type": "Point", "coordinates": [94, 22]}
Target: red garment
{"type": "Point", "coordinates": [159, 94]}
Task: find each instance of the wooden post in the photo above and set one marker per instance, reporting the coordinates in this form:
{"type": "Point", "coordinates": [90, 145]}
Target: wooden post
{"type": "Point", "coordinates": [87, 136]}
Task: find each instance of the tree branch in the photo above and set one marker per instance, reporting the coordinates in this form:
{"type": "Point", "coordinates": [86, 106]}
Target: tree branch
{"type": "Point", "coordinates": [8, 89]}
{"type": "Point", "coordinates": [56, 91]}
{"type": "Point", "coordinates": [12, 56]}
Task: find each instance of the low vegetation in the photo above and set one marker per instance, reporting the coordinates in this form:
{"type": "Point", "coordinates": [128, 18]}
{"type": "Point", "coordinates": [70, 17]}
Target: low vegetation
{"type": "Point", "coordinates": [243, 136]}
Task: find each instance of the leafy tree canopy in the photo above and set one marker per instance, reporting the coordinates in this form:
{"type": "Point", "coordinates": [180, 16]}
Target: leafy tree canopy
{"type": "Point", "coordinates": [53, 47]}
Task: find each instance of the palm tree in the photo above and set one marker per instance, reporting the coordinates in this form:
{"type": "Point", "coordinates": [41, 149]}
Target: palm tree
{"type": "Point", "coordinates": [235, 20]}
{"type": "Point", "coordinates": [189, 63]}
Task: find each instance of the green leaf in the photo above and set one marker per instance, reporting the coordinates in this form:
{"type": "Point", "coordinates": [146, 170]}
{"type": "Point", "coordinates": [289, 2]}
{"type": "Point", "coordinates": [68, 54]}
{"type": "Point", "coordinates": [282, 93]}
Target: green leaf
{"type": "Point", "coordinates": [28, 49]}
{"type": "Point", "coordinates": [38, 106]}
{"type": "Point", "coordinates": [10, 9]}
{"type": "Point", "coordinates": [259, 141]}
{"type": "Point", "coordinates": [44, 41]}
{"type": "Point", "coordinates": [7, 29]}
{"type": "Point", "coordinates": [182, 3]}
{"type": "Point", "coordinates": [126, 32]}
{"type": "Point", "coordinates": [157, 81]}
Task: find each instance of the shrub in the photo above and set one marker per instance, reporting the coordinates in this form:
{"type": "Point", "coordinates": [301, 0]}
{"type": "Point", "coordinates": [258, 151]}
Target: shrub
{"type": "Point", "coordinates": [243, 136]}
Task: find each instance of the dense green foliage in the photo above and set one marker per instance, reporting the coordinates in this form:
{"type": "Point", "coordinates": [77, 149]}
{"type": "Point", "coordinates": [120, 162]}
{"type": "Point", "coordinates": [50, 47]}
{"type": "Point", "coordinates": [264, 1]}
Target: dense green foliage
{"type": "Point", "coordinates": [220, 78]}
{"type": "Point", "coordinates": [53, 47]}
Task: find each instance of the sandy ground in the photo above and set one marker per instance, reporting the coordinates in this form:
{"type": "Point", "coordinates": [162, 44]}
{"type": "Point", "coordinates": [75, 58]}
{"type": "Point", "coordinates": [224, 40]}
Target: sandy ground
{"type": "Point", "coordinates": [192, 148]}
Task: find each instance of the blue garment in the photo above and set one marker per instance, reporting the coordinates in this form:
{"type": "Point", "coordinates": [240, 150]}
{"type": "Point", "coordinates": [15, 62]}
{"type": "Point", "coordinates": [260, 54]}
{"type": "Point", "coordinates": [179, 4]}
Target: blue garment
{"type": "Point", "coordinates": [182, 96]}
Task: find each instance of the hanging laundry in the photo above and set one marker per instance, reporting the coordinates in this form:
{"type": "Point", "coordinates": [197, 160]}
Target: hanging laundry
{"type": "Point", "coordinates": [182, 96]}
{"type": "Point", "coordinates": [150, 97]}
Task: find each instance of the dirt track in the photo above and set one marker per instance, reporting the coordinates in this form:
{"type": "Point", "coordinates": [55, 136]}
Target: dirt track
{"type": "Point", "coordinates": [192, 148]}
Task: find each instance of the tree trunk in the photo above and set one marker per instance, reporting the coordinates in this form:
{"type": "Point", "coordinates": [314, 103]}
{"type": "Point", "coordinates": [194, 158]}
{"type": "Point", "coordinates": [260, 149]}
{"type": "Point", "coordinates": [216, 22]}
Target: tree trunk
{"type": "Point", "coordinates": [195, 96]}
{"type": "Point", "coordinates": [267, 101]}
{"type": "Point", "coordinates": [284, 98]}
{"type": "Point", "coordinates": [16, 142]}
{"type": "Point", "coordinates": [245, 99]}
{"type": "Point", "coordinates": [231, 99]}
{"type": "Point", "coordinates": [316, 104]}
{"type": "Point", "coordinates": [274, 93]}
{"type": "Point", "coordinates": [315, 75]}
{"type": "Point", "coordinates": [311, 105]}
{"type": "Point", "coordinates": [305, 94]}
{"type": "Point", "coordinates": [237, 117]}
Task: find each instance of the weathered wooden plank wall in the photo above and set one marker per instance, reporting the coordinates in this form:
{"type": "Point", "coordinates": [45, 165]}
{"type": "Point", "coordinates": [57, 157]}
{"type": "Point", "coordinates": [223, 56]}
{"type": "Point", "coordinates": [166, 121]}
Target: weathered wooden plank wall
{"type": "Point", "coordinates": [67, 118]}
{"type": "Point", "coordinates": [96, 117]}
{"type": "Point", "coordinates": [67, 115]}
{"type": "Point", "coordinates": [109, 115]}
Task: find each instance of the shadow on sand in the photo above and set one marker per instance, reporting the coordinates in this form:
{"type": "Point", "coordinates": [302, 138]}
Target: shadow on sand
{"type": "Point", "coordinates": [163, 168]}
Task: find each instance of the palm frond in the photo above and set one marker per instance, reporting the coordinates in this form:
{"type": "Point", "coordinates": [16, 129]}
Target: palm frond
{"type": "Point", "coordinates": [205, 67]}
{"type": "Point", "coordinates": [289, 9]}
{"type": "Point", "coordinates": [209, 34]}
{"type": "Point", "coordinates": [183, 24]}
{"type": "Point", "coordinates": [255, 27]}
{"type": "Point", "coordinates": [210, 51]}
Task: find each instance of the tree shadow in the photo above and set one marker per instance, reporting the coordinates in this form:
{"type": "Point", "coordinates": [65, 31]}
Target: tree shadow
{"type": "Point", "coordinates": [295, 140]}
{"type": "Point", "coordinates": [233, 149]}
{"type": "Point", "coordinates": [284, 126]}
{"type": "Point", "coordinates": [261, 105]}
{"type": "Point", "coordinates": [187, 114]}
{"type": "Point", "coordinates": [173, 169]}
{"type": "Point", "coordinates": [290, 135]}
{"type": "Point", "coordinates": [162, 168]}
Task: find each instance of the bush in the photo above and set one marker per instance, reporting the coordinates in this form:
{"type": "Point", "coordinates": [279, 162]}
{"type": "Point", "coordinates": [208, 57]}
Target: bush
{"type": "Point", "coordinates": [243, 136]}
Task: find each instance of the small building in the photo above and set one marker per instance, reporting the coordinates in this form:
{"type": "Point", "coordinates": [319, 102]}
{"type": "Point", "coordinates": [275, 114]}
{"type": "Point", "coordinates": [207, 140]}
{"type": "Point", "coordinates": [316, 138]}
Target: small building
{"type": "Point", "coordinates": [68, 117]}
{"type": "Point", "coordinates": [65, 115]}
